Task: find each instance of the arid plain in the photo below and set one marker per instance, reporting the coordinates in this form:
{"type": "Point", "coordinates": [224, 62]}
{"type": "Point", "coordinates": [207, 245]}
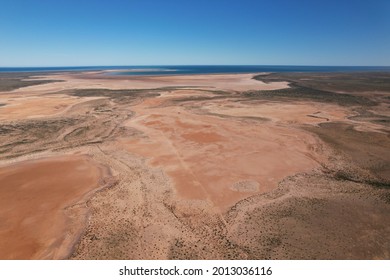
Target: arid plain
{"type": "Point", "coordinates": [238, 166]}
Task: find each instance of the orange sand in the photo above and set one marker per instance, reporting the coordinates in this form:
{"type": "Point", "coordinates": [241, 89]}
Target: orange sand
{"type": "Point", "coordinates": [33, 196]}
{"type": "Point", "coordinates": [219, 159]}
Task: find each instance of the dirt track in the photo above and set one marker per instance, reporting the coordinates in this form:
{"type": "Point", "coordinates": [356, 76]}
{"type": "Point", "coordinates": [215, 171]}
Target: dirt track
{"type": "Point", "coordinates": [201, 167]}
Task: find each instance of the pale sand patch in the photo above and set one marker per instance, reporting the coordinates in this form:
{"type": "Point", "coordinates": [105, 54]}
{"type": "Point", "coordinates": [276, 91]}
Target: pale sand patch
{"type": "Point", "coordinates": [33, 198]}
{"type": "Point", "coordinates": [245, 186]}
{"type": "Point", "coordinates": [236, 82]}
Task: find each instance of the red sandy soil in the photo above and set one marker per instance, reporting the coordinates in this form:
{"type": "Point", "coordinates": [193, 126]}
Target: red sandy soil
{"type": "Point", "coordinates": [208, 156]}
{"type": "Point", "coordinates": [34, 196]}
{"type": "Point", "coordinates": [199, 169]}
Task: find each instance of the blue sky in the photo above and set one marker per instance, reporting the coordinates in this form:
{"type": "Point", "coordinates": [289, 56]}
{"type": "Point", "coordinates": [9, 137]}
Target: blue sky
{"type": "Point", "coordinates": [179, 32]}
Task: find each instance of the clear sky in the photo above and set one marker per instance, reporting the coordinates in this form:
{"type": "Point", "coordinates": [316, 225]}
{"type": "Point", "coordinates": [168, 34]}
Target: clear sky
{"type": "Point", "coordinates": [177, 32]}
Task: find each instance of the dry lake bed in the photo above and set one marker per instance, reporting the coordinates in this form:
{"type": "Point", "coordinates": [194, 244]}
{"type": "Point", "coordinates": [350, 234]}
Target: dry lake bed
{"type": "Point", "coordinates": [222, 166]}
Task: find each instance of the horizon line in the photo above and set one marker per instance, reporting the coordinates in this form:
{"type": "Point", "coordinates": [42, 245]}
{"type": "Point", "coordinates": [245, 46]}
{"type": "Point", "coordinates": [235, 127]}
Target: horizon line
{"type": "Point", "coordinates": [170, 65]}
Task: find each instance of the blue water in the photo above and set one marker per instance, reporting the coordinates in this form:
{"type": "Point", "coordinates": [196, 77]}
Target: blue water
{"type": "Point", "coordinates": [206, 69]}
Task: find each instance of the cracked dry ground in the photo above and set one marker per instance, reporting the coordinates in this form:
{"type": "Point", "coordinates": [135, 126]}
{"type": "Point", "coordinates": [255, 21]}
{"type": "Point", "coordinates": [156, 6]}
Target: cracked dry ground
{"type": "Point", "coordinates": [96, 167]}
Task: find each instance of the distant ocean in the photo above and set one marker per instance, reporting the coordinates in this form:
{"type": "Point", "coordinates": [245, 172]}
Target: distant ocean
{"type": "Point", "coordinates": [198, 69]}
